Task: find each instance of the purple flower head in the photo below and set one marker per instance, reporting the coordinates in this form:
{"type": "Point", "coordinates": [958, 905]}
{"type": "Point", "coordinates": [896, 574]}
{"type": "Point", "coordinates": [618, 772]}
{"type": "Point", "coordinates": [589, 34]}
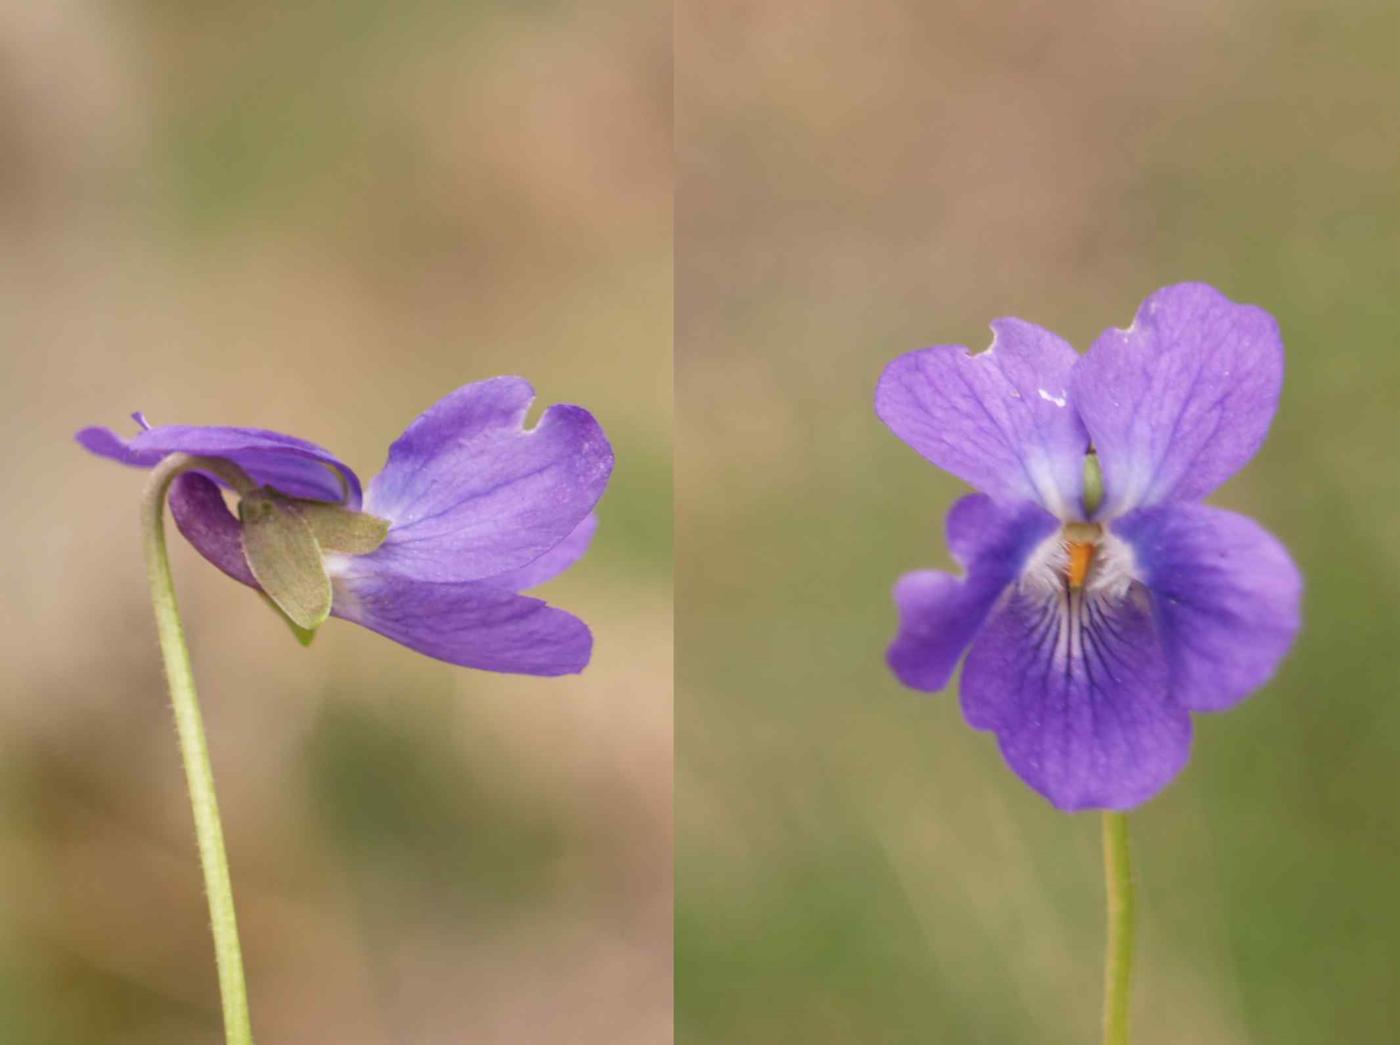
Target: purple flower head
{"type": "Point", "coordinates": [1101, 602]}
{"type": "Point", "coordinates": [477, 508]}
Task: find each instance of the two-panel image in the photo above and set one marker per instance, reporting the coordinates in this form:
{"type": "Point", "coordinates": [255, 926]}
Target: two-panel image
{"type": "Point", "coordinates": [735, 524]}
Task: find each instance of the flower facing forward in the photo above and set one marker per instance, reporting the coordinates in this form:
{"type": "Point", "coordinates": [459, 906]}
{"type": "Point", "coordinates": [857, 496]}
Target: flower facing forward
{"type": "Point", "coordinates": [1102, 603]}
{"type": "Point", "coordinates": [471, 509]}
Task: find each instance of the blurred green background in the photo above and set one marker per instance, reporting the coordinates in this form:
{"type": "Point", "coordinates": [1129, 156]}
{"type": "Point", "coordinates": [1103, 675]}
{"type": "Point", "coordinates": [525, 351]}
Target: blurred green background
{"type": "Point", "coordinates": [320, 218]}
{"type": "Point", "coordinates": [854, 181]}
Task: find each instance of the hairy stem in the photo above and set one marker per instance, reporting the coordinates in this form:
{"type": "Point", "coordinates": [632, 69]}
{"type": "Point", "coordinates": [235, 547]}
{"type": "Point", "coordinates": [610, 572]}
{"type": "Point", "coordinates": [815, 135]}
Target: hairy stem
{"type": "Point", "coordinates": [1118, 962]}
{"type": "Point", "coordinates": [194, 749]}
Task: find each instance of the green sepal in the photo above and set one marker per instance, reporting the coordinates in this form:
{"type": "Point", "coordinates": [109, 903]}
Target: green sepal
{"type": "Point", "coordinates": [285, 558]}
{"type": "Point", "coordinates": [338, 529]}
{"type": "Point", "coordinates": [303, 635]}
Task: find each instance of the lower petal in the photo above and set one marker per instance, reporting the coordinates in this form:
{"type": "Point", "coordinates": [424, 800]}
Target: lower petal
{"type": "Point", "coordinates": [470, 623]}
{"type": "Point", "coordinates": [1076, 687]}
{"type": "Point", "coordinates": [1226, 596]}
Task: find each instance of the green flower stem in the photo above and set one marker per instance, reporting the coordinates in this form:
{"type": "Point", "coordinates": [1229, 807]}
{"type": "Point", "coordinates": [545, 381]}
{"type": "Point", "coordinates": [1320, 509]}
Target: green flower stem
{"type": "Point", "coordinates": [1118, 963]}
{"type": "Point", "coordinates": [193, 748]}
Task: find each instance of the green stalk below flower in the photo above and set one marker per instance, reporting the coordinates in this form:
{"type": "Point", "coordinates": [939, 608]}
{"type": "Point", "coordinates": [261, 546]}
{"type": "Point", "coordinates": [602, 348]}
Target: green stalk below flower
{"type": "Point", "coordinates": [194, 749]}
{"type": "Point", "coordinates": [1118, 963]}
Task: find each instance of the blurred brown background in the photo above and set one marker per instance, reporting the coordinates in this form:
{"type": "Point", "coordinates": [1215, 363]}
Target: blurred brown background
{"type": "Point", "coordinates": [858, 180]}
{"type": "Point", "coordinates": [319, 218]}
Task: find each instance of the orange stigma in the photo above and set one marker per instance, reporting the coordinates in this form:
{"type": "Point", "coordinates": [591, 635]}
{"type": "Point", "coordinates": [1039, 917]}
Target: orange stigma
{"type": "Point", "coordinates": [1081, 541]}
{"type": "Point", "coordinates": [1081, 556]}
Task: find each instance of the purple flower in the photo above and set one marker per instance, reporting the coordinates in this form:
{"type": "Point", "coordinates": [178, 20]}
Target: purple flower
{"type": "Point", "coordinates": [1098, 618]}
{"type": "Point", "coordinates": [478, 509]}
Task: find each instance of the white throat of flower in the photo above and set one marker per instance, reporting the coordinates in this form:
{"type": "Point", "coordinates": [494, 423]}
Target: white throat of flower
{"type": "Point", "coordinates": [1080, 556]}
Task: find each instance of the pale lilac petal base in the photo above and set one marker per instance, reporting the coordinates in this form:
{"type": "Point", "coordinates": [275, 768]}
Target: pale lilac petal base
{"type": "Point", "coordinates": [1077, 692]}
{"type": "Point", "coordinates": [1226, 596]}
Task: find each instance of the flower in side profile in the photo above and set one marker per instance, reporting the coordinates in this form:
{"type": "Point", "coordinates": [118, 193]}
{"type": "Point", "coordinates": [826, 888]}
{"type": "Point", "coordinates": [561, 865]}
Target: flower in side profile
{"type": "Point", "coordinates": [471, 509]}
{"type": "Point", "coordinates": [1101, 604]}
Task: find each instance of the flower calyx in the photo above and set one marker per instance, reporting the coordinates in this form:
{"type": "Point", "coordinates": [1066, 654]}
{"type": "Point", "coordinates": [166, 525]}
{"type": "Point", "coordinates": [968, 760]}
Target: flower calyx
{"type": "Point", "coordinates": [284, 541]}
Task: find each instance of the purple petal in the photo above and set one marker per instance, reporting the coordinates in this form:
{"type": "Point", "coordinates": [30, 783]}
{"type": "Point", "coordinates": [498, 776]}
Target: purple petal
{"type": "Point", "coordinates": [1000, 420]}
{"type": "Point", "coordinates": [294, 466]}
{"type": "Point", "coordinates": [197, 505]}
{"type": "Point", "coordinates": [472, 493]}
{"type": "Point", "coordinates": [551, 563]}
{"type": "Point", "coordinates": [939, 614]}
{"type": "Point", "coordinates": [470, 623]}
{"type": "Point", "coordinates": [1076, 688]}
{"type": "Point", "coordinates": [1226, 595]}
{"type": "Point", "coordinates": [1178, 402]}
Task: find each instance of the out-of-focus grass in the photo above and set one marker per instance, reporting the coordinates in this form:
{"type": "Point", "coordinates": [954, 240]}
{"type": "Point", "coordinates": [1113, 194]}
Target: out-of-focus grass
{"type": "Point", "coordinates": [320, 218]}
{"type": "Point", "coordinates": [855, 864]}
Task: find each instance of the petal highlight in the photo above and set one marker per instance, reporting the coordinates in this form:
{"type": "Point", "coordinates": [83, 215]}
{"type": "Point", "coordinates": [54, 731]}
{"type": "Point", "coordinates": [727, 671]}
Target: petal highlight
{"type": "Point", "coordinates": [940, 614]}
{"type": "Point", "coordinates": [1001, 420]}
{"type": "Point", "coordinates": [1076, 687]}
{"type": "Point", "coordinates": [1226, 595]}
{"type": "Point", "coordinates": [472, 493]}
{"type": "Point", "coordinates": [1179, 401]}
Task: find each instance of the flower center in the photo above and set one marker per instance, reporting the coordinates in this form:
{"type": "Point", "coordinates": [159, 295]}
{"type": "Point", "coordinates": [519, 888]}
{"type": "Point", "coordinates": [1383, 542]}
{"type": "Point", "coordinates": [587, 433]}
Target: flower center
{"type": "Point", "coordinates": [1081, 544]}
{"type": "Point", "coordinates": [1082, 558]}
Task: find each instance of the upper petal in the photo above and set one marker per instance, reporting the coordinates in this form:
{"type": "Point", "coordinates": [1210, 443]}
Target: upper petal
{"type": "Point", "coordinates": [1179, 401]}
{"type": "Point", "coordinates": [1226, 595]}
{"type": "Point", "coordinates": [1001, 420]}
{"type": "Point", "coordinates": [1076, 687]}
{"type": "Point", "coordinates": [939, 614]}
{"type": "Point", "coordinates": [294, 466]}
{"type": "Point", "coordinates": [471, 623]}
{"type": "Point", "coordinates": [472, 493]}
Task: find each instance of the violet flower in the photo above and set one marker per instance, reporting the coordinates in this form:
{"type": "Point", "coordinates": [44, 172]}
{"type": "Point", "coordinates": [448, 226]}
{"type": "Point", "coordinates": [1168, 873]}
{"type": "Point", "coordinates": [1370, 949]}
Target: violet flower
{"type": "Point", "coordinates": [478, 508]}
{"type": "Point", "coordinates": [1102, 603]}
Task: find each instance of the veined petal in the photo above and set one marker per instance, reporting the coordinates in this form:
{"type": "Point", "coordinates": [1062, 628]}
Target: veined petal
{"type": "Point", "coordinates": [1226, 596]}
{"type": "Point", "coordinates": [471, 493]}
{"type": "Point", "coordinates": [938, 613]}
{"type": "Point", "coordinates": [1179, 401]}
{"type": "Point", "coordinates": [1076, 687]}
{"type": "Point", "coordinates": [551, 563]}
{"type": "Point", "coordinates": [1002, 420]}
{"type": "Point", "coordinates": [470, 623]}
{"type": "Point", "coordinates": [294, 466]}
